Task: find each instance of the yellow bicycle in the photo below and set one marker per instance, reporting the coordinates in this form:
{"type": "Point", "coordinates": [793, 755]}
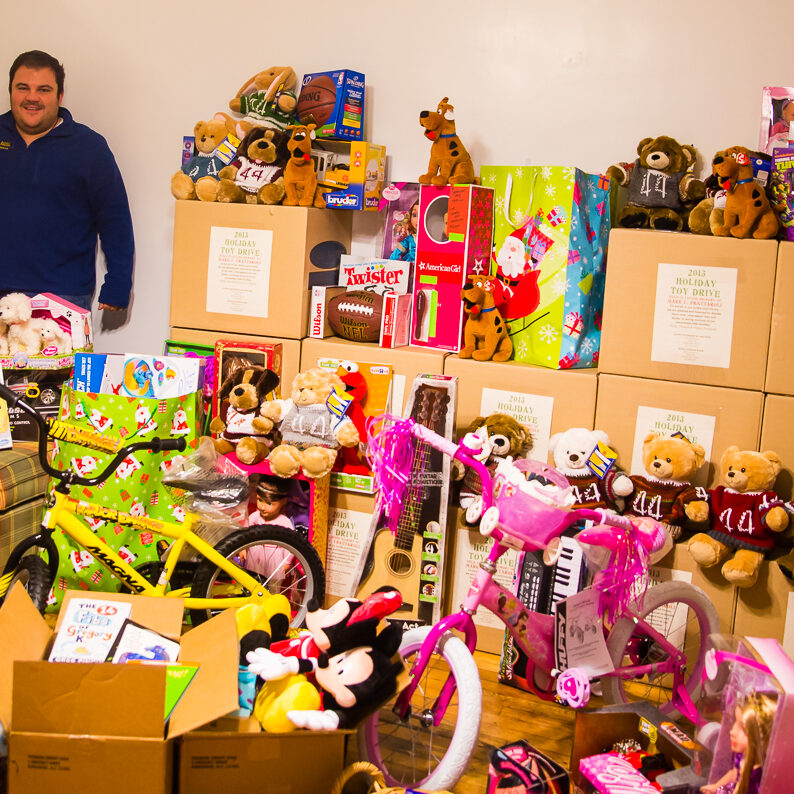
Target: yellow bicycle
{"type": "Point", "coordinates": [245, 567]}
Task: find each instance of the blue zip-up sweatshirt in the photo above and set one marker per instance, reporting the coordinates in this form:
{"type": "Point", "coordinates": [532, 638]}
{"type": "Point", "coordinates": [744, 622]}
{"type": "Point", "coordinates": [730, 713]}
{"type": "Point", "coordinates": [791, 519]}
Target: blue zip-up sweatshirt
{"type": "Point", "coordinates": [56, 196]}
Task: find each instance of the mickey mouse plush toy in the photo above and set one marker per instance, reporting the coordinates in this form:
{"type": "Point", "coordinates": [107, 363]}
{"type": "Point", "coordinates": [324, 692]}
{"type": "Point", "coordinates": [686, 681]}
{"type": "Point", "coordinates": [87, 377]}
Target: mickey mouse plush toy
{"type": "Point", "coordinates": [335, 673]}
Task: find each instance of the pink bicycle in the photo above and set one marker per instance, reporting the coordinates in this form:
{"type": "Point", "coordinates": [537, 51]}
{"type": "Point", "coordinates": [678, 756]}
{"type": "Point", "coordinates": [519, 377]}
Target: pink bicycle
{"type": "Point", "coordinates": [655, 636]}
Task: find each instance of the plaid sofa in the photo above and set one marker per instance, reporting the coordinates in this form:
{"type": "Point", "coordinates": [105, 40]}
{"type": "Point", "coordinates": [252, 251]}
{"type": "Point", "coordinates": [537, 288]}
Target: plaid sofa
{"type": "Point", "coordinates": [22, 486]}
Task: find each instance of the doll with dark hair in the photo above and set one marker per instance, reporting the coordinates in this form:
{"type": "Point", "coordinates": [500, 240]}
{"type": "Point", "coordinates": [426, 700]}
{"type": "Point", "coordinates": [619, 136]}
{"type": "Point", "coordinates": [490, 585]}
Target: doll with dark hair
{"type": "Point", "coordinates": [752, 727]}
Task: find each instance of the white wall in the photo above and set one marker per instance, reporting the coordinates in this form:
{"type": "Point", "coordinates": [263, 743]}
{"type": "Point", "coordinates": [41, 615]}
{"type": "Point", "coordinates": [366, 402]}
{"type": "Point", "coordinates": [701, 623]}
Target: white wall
{"type": "Point", "coordinates": [571, 83]}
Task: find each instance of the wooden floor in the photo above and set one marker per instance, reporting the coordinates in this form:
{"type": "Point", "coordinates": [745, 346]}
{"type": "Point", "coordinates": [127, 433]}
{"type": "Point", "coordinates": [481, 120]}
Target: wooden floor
{"type": "Point", "coordinates": [508, 715]}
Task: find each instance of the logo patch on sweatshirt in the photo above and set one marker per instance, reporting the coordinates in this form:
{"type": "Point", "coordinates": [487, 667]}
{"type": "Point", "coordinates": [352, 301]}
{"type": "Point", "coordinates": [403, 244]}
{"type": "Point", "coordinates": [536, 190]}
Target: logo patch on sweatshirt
{"type": "Point", "coordinates": [5, 145]}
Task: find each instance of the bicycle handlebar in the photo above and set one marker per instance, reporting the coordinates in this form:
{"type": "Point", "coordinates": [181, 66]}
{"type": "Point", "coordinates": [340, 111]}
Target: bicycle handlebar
{"type": "Point", "coordinates": [78, 435]}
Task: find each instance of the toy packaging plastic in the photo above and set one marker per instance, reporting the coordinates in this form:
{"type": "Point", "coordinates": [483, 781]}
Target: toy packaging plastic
{"type": "Point", "coordinates": [783, 188]}
{"type": "Point", "coordinates": [334, 101]}
{"type": "Point", "coordinates": [777, 113]}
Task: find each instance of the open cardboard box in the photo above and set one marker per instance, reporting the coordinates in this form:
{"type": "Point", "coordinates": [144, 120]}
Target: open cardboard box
{"type": "Point", "coordinates": [71, 723]}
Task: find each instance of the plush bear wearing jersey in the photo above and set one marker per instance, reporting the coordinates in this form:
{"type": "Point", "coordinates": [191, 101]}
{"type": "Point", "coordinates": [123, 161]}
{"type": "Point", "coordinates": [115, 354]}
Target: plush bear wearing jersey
{"type": "Point", "coordinates": [571, 451]}
{"type": "Point", "coordinates": [257, 174]}
{"type": "Point", "coordinates": [744, 514]}
{"type": "Point", "coordinates": [198, 178]}
{"type": "Point", "coordinates": [665, 489]}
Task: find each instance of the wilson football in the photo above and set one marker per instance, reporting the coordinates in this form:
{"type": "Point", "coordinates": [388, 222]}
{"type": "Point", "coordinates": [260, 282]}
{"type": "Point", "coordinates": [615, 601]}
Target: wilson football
{"type": "Point", "coordinates": [356, 315]}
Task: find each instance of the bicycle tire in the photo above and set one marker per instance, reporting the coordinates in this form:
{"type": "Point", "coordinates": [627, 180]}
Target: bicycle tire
{"type": "Point", "coordinates": [397, 747]}
{"type": "Point", "coordinates": [669, 596]}
{"type": "Point", "coordinates": [34, 574]}
{"type": "Point", "coordinates": [303, 580]}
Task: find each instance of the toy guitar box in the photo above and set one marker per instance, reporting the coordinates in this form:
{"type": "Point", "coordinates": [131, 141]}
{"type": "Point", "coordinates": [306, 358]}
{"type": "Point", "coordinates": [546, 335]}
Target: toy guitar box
{"type": "Point", "coordinates": [412, 559]}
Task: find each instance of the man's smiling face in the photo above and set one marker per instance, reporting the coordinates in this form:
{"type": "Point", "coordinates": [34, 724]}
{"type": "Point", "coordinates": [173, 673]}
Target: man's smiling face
{"type": "Point", "coordinates": [35, 100]}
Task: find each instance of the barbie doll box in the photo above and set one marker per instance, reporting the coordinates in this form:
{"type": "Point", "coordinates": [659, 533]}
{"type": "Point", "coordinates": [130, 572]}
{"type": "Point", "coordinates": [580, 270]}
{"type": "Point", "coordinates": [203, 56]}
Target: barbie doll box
{"type": "Point", "coordinates": [453, 242]}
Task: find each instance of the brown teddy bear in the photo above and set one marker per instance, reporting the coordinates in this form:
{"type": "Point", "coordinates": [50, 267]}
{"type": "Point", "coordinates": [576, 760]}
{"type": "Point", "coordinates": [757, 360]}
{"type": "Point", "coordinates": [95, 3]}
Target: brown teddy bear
{"type": "Point", "coordinates": [450, 163]}
{"type": "Point", "coordinates": [257, 175]}
{"type": "Point", "coordinates": [198, 178]}
{"type": "Point", "coordinates": [268, 99]}
{"type": "Point", "coordinates": [664, 491]}
{"type": "Point", "coordinates": [659, 183]}
{"type": "Point", "coordinates": [310, 432]}
{"type": "Point", "coordinates": [238, 424]}
{"type": "Point", "coordinates": [744, 513]}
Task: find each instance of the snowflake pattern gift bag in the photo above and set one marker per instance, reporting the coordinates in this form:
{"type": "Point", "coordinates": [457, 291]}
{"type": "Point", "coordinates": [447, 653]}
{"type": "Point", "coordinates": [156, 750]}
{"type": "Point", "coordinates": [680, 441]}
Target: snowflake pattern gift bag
{"type": "Point", "coordinates": [551, 227]}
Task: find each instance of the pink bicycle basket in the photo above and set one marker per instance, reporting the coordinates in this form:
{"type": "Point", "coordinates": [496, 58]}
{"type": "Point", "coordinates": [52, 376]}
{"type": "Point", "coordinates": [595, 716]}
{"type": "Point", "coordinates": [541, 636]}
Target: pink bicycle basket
{"type": "Point", "coordinates": [526, 518]}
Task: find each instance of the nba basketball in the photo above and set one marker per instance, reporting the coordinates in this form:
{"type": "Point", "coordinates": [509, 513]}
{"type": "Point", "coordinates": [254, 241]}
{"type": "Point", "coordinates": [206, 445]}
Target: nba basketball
{"type": "Point", "coordinates": [317, 101]}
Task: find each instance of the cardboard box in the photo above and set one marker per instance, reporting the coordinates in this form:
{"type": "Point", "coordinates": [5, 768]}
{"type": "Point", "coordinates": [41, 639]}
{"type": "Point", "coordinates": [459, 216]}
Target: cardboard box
{"type": "Point", "coordinates": [319, 327]}
{"type": "Point", "coordinates": [41, 388]}
{"type": "Point", "coordinates": [547, 401]}
{"type": "Point", "coordinates": [349, 516]}
{"type": "Point", "coordinates": [395, 327]}
{"type": "Point", "coordinates": [58, 713]}
{"type": "Point", "coordinates": [243, 268]}
{"type": "Point", "coordinates": [354, 171]}
{"type": "Point", "coordinates": [290, 348]}
{"type": "Point", "coordinates": [304, 762]}
{"type": "Point", "coordinates": [596, 730]}
{"type": "Point", "coordinates": [453, 239]}
{"type": "Point", "coordinates": [780, 363]}
{"type": "Point", "coordinates": [767, 608]}
{"type": "Point", "coordinates": [406, 362]}
{"type": "Point", "coordinates": [345, 121]}
{"type": "Point", "coordinates": [777, 433]}
{"type": "Point", "coordinates": [630, 408]}
{"type": "Point", "coordinates": [686, 307]}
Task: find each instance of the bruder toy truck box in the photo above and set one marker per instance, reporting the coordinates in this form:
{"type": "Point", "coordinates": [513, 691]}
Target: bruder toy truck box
{"type": "Point", "coordinates": [99, 727]}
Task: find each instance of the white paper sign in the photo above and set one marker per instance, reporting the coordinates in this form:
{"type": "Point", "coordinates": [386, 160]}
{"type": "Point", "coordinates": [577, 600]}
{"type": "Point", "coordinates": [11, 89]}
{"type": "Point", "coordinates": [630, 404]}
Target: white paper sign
{"type": "Point", "coordinates": [580, 631]}
{"type": "Point", "coordinates": [471, 549]}
{"type": "Point", "coordinates": [698, 428]}
{"type": "Point", "coordinates": [533, 410]}
{"type": "Point", "coordinates": [671, 619]}
{"type": "Point", "coordinates": [693, 316]}
{"type": "Point", "coordinates": [238, 271]}
{"type": "Point", "coordinates": [347, 532]}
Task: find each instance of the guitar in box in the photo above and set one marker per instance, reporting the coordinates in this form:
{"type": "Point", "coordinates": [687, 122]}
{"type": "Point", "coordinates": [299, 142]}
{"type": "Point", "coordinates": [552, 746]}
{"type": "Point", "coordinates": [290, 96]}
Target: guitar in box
{"type": "Point", "coordinates": [411, 559]}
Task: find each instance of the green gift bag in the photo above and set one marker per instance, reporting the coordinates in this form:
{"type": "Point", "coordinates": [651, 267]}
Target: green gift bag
{"type": "Point", "coordinates": [136, 486]}
{"type": "Point", "coordinates": [551, 228]}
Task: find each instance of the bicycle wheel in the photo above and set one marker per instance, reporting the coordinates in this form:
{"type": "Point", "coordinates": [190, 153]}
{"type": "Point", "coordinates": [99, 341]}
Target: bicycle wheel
{"type": "Point", "coordinates": [681, 613]}
{"type": "Point", "coordinates": [34, 574]}
{"type": "Point", "coordinates": [414, 752]}
{"type": "Point", "coordinates": [277, 557]}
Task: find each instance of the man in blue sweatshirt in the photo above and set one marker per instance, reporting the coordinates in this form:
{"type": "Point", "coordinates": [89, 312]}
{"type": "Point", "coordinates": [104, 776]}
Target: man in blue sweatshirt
{"type": "Point", "coordinates": [60, 187]}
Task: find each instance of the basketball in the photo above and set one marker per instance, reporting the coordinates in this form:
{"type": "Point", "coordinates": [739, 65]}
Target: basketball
{"type": "Point", "coordinates": [317, 101]}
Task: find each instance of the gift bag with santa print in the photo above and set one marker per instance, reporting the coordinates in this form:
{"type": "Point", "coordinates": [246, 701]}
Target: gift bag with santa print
{"type": "Point", "coordinates": [135, 488]}
{"type": "Point", "coordinates": [551, 227]}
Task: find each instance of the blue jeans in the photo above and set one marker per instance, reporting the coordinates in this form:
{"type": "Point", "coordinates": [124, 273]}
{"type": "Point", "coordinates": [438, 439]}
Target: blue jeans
{"type": "Point", "coordinates": [83, 301]}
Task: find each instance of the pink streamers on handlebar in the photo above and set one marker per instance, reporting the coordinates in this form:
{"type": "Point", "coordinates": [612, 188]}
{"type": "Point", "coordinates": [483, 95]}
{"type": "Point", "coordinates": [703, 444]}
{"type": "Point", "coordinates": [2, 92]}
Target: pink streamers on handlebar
{"type": "Point", "coordinates": [390, 454]}
{"type": "Point", "coordinates": [625, 581]}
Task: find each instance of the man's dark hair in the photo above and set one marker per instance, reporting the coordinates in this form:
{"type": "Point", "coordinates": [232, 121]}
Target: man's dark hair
{"type": "Point", "coordinates": [36, 59]}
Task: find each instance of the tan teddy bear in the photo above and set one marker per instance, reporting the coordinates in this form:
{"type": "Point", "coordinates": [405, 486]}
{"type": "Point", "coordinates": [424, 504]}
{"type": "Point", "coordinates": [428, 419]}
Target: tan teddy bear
{"type": "Point", "coordinates": [310, 432]}
{"type": "Point", "coordinates": [663, 492]}
{"type": "Point", "coordinates": [198, 178]}
{"type": "Point", "coordinates": [744, 514]}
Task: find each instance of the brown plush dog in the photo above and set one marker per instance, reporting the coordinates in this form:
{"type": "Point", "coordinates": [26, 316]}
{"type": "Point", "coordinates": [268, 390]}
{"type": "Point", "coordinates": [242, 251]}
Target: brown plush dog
{"type": "Point", "coordinates": [485, 334]}
{"type": "Point", "coordinates": [747, 209]}
{"type": "Point", "coordinates": [300, 175]}
{"type": "Point", "coordinates": [450, 163]}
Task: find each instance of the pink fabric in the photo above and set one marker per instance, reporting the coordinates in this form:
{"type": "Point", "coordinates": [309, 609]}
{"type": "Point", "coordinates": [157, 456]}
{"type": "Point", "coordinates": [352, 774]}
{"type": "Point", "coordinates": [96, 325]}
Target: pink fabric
{"type": "Point", "coordinates": [611, 774]}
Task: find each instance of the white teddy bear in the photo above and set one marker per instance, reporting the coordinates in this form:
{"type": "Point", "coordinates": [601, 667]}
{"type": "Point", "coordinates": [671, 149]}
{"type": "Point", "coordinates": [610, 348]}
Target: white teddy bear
{"type": "Point", "coordinates": [571, 451]}
{"type": "Point", "coordinates": [23, 333]}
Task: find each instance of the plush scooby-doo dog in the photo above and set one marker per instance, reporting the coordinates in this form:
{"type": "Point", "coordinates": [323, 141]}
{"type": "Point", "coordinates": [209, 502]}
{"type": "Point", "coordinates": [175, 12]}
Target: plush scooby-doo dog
{"type": "Point", "coordinates": [485, 334]}
{"type": "Point", "coordinates": [747, 209]}
{"type": "Point", "coordinates": [300, 175]}
{"type": "Point", "coordinates": [450, 163]}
